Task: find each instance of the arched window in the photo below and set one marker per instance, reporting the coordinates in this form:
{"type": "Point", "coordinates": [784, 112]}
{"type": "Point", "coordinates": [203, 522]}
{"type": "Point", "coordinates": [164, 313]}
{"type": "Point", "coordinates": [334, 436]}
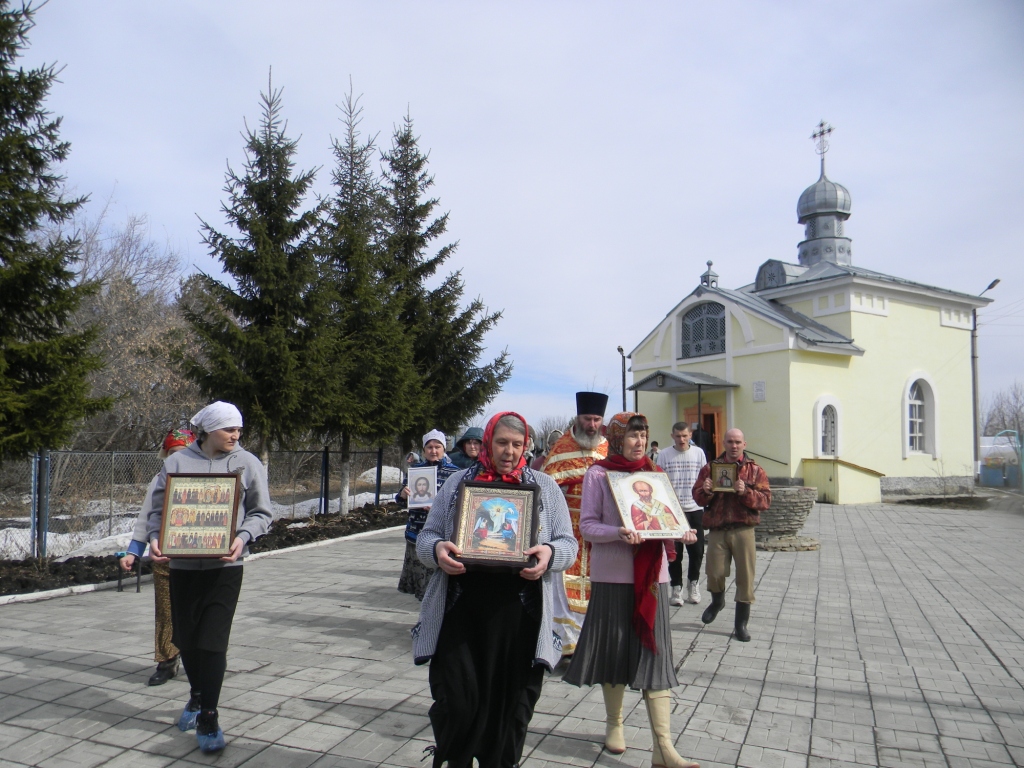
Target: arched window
{"type": "Point", "coordinates": [920, 416]}
{"type": "Point", "coordinates": [828, 427]}
{"type": "Point", "coordinates": [828, 431]}
{"type": "Point", "coordinates": [703, 331]}
{"type": "Point", "coordinates": [916, 421]}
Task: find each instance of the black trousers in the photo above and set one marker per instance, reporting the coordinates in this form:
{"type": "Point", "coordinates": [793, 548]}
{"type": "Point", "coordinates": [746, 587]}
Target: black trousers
{"type": "Point", "coordinates": [695, 551]}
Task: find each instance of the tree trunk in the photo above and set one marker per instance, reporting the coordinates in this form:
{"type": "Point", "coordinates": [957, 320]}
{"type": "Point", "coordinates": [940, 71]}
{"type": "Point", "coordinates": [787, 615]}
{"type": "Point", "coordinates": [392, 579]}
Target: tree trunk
{"type": "Point", "coordinates": [264, 453]}
{"type": "Point", "coordinates": [346, 469]}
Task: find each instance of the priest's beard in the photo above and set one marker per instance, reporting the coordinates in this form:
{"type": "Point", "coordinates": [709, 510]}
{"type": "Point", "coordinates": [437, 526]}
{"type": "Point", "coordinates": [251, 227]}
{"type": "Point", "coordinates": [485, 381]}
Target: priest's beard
{"type": "Point", "coordinates": [584, 440]}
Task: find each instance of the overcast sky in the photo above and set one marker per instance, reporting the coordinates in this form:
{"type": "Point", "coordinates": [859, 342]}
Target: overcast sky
{"type": "Point", "coordinates": [593, 155]}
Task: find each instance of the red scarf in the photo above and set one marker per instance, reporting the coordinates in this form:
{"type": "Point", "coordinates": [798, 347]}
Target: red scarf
{"type": "Point", "coordinates": [647, 556]}
{"type": "Point", "coordinates": [488, 473]}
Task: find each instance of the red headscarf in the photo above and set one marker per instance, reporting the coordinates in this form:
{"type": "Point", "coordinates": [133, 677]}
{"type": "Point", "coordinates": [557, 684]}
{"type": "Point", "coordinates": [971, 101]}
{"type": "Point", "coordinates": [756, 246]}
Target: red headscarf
{"type": "Point", "coordinates": [178, 437]}
{"type": "Point", "coordinates": [489, 472]}
{"type": "Point", "coordinates": [647, 557]}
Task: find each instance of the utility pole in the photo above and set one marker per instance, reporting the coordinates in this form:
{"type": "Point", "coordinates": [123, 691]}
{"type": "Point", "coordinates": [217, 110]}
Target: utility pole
{"type": "Point", "coordinates": [976, 405]}
{"type": "Point", "coordinates": [622, 354]}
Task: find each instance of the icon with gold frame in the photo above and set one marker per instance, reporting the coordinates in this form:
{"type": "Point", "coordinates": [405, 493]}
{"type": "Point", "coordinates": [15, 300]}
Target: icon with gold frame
{"type": "Point", "coordinates": [724, 476]}
{"type": "Point", "coordinates": [494, 524]}
{"type": "Point", "coordinates": [200, 515]}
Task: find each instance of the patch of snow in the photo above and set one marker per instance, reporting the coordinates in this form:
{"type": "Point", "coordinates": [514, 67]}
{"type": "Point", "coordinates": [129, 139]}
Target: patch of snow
{"type": "Point", "coordinates": [388, 475]}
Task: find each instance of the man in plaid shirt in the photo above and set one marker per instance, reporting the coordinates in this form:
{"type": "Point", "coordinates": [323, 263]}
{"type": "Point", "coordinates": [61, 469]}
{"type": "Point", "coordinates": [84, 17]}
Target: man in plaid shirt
{"type": "Point", "coordinates": [682, 463]}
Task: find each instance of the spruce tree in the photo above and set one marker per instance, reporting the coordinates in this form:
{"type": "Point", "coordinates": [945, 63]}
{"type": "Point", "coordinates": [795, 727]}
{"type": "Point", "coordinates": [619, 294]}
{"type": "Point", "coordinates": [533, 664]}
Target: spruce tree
{"type": "Point", "coordinates": [44, 363]}
{"type": "Point", "coordinates": [257, 337]}
{"type": "Point", "coordinates": [447, 338]}
{"type": "Point", "coordinates": [374, 384]}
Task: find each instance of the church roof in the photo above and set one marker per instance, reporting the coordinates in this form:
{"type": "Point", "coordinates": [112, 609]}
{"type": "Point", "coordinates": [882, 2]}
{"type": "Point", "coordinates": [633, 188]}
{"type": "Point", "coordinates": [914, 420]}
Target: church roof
{"type": "Point", "coordinates": [810, 331]}
{"type": "Point", "coordinates": [799, 275]}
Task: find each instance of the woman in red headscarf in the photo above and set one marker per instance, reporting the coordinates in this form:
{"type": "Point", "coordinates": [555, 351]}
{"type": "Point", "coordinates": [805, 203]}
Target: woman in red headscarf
{"type": "Point", "coordinates": [166, 654]}
{"type": "Point", "coordinates": [626, 639]}
{"type": "Point", "coordinates": [487, 635]}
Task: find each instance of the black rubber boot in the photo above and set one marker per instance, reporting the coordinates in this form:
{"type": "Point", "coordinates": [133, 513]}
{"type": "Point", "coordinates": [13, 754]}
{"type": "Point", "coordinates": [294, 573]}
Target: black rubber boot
{"type": "Point", "coordinates": [165, 670]}
{"type": "Point", "coordinates": [712, 611]}
{"type": "Point", "coordinates": [740, 630]}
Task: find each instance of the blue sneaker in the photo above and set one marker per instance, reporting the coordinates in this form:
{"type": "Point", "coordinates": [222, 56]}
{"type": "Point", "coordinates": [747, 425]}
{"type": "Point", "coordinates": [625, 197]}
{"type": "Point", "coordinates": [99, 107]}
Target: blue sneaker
{"type": "Point", "coordinates": [208, 733]}
{"type": "Point", "coordinates": [189, 714]}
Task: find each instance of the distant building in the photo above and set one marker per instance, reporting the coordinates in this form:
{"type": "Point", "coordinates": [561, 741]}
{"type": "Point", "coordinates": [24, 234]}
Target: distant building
{"type": "Point", "coordinates": [841, 377]}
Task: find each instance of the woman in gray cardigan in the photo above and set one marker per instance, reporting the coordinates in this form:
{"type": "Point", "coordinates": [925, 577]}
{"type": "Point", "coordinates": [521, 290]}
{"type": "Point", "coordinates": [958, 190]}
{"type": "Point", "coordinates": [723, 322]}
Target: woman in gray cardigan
{"type": "Point", "coordinates": [204, 592]}
{"type": "Point", "coordinates": [488, 636]}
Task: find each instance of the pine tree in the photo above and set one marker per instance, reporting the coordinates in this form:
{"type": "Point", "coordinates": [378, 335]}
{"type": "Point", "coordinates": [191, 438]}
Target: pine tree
{"type": "Point", "coordinates": [374, 385]}
{"type": "Point", "coordinates": [447, 338]}
{"type": "Point", "coordinates": [44, 363]}
{"type": "Point", "coordinates": [257, 338]}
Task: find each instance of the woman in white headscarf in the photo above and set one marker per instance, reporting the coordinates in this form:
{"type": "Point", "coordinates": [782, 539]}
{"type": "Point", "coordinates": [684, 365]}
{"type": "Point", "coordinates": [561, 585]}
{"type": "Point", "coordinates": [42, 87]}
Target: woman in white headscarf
{"type": "Point", "coordinates": [415, 575]}
{"type": "Point", "coordinates": [204, 592]}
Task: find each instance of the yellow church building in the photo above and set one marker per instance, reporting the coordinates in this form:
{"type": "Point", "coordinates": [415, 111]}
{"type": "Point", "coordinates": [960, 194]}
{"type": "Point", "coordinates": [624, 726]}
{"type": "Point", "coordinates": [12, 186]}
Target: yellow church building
{"type": "Point", "coordinates": [840, 377]}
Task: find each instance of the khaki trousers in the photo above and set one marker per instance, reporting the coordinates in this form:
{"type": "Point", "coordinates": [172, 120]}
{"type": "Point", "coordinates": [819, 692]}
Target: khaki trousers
{"type": "Point", "coordinates": [165, 649]}
{"type": "Point", "coordinates": [725, 546]}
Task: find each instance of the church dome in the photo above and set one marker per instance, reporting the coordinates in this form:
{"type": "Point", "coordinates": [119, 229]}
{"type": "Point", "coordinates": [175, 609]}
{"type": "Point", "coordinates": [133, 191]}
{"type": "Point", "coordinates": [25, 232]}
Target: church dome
{"type": "Point", "coordinates": [823, 196]}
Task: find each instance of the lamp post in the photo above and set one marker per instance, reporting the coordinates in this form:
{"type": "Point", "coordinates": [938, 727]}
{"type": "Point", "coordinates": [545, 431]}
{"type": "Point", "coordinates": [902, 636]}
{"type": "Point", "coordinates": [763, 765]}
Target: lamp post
{"type": "Point", "coordinates": [975, 405]}
{"type": "Point", "coordinates": [622, 354]}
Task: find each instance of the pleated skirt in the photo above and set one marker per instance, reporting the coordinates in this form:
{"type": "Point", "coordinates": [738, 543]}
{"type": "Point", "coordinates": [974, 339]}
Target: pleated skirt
{"type": "Point", "coordinates": [609, 651]}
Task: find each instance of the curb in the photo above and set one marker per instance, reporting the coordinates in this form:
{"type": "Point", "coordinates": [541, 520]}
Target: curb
{"type": "Point", "coordinates": [31, 597]}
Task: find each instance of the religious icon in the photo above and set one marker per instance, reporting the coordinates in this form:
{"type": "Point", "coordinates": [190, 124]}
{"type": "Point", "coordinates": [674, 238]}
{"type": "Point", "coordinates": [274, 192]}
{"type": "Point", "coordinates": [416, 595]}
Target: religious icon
{"type": "Point", "coordinates": [422, 486]}
{"type": "Point", "coordinates": [495, 523]}
{"type": "Point", "coordinates": [723, 476]}
{"type": "Point", "coordinates": [648, 504]}
{"type": "Point", "coordinates": [200, 515]}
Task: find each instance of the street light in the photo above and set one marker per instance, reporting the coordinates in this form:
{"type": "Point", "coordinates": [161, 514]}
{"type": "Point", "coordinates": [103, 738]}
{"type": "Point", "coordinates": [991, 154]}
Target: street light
{"type": "Point", "coordinates": [622, 354]}
{"type": "Point", "coordinates": [976, 407]}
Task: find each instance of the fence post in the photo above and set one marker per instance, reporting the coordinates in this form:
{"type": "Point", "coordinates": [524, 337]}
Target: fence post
{"type": "Point", "coordinates": [35, 505]}
{"type": "Point", "coordinates": [325, 480]}
{"type": "Point", "coordinates": [43, 504]}
{"type": "Point", "coordinates": [110, 514]}
{"type": "Point", "coordinates": [380, 472]}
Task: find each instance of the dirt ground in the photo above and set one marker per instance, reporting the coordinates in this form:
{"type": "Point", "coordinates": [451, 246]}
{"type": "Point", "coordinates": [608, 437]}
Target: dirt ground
{"type": "Point", "coordinates": [32, 575]}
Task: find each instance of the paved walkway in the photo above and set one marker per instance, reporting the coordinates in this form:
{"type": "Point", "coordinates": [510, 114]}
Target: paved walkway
{"type": "Point", "coordinates": [900, 643]}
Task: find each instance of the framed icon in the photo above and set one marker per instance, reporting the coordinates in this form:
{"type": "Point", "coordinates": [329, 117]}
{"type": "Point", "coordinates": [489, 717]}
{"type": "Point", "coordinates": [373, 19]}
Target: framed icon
{"type": "Point", "coordinates": [495, 523]}
{"type": "Point", "coordinates": [200, 515]}
{"type": "Point", "coordinates": [648, 504]}
{"type": "Point", "coordinates": [723, 477]}
{"type": "Point", "coordinates": [422, 486]}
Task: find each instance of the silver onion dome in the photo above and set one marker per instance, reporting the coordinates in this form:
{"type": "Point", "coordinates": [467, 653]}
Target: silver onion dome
{"type": "Point", "coordinates": [823, 196]}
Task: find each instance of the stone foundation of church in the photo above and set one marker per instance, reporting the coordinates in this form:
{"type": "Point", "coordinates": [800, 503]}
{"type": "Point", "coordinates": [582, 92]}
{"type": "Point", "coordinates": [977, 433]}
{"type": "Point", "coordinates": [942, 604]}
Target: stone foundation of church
{"type": "Point", "coordinates": [927, 486]}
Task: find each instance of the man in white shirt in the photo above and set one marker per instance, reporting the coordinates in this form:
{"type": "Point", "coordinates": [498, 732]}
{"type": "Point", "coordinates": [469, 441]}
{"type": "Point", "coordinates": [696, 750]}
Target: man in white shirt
{"type": "Point", "coordinates": [682, 463]}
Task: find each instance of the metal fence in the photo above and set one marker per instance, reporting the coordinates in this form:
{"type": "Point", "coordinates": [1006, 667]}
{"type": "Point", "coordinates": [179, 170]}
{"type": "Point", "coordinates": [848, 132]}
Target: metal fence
{"type": "Point", "coordinates": [59, 502]}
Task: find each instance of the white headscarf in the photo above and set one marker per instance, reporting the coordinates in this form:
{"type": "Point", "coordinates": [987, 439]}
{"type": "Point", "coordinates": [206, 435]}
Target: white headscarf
{"type": "Point", "coordinates": [435, 434]}
{"type": "Point", "coordinates": [218, 415]}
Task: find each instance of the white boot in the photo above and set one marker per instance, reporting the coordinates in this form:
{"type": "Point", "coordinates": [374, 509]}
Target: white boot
{"type": "Point", "coordinates": [659, 711]}
{"type": "Point", "coordinates": [694, 590]}
{"type": "Point", "coordinates": [614, 734]}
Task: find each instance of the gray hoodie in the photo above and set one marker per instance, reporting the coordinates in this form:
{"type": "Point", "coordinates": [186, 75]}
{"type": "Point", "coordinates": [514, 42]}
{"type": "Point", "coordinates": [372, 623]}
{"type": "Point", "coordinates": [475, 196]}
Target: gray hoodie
{"type": "Point", "coordinates": [254, 515]}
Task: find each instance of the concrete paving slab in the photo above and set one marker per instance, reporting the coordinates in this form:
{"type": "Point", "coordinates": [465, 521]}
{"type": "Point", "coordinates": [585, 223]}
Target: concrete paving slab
{"type": "Point", "coordinates": [899, 643]}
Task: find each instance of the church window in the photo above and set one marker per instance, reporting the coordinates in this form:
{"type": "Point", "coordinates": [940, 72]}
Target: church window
{"type": "Point", "coordinates": [839, 229]}
{"type": "Point", "coordinates": [703, 330]}
{"type": "Point", "coordinates": [916, 417]}
{"type": "Point", "coordinates": [828, 431]}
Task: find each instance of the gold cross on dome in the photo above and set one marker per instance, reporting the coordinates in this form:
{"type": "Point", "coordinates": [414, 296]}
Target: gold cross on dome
{"type": "Point", "coordinates": [821, 133]}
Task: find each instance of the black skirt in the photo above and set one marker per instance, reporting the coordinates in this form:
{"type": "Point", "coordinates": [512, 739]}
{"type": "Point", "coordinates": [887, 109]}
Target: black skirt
{"type": "Point", "coordinates": [415, 575]}
{"type": "Point", "coordinates": [203, 606]}
{"type": "Point", "coordinates": [482, 676]}
{"type": "Point", "coordinates": [609, 651]}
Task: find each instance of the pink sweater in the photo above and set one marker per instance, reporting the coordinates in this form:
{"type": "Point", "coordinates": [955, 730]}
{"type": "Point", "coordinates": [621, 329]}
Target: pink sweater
{"type": "Point", "coordinates": [611, 559]}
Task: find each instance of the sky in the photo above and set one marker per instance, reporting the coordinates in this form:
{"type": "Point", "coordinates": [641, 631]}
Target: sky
{"type": "Point", "coordinates": [593, 156]}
